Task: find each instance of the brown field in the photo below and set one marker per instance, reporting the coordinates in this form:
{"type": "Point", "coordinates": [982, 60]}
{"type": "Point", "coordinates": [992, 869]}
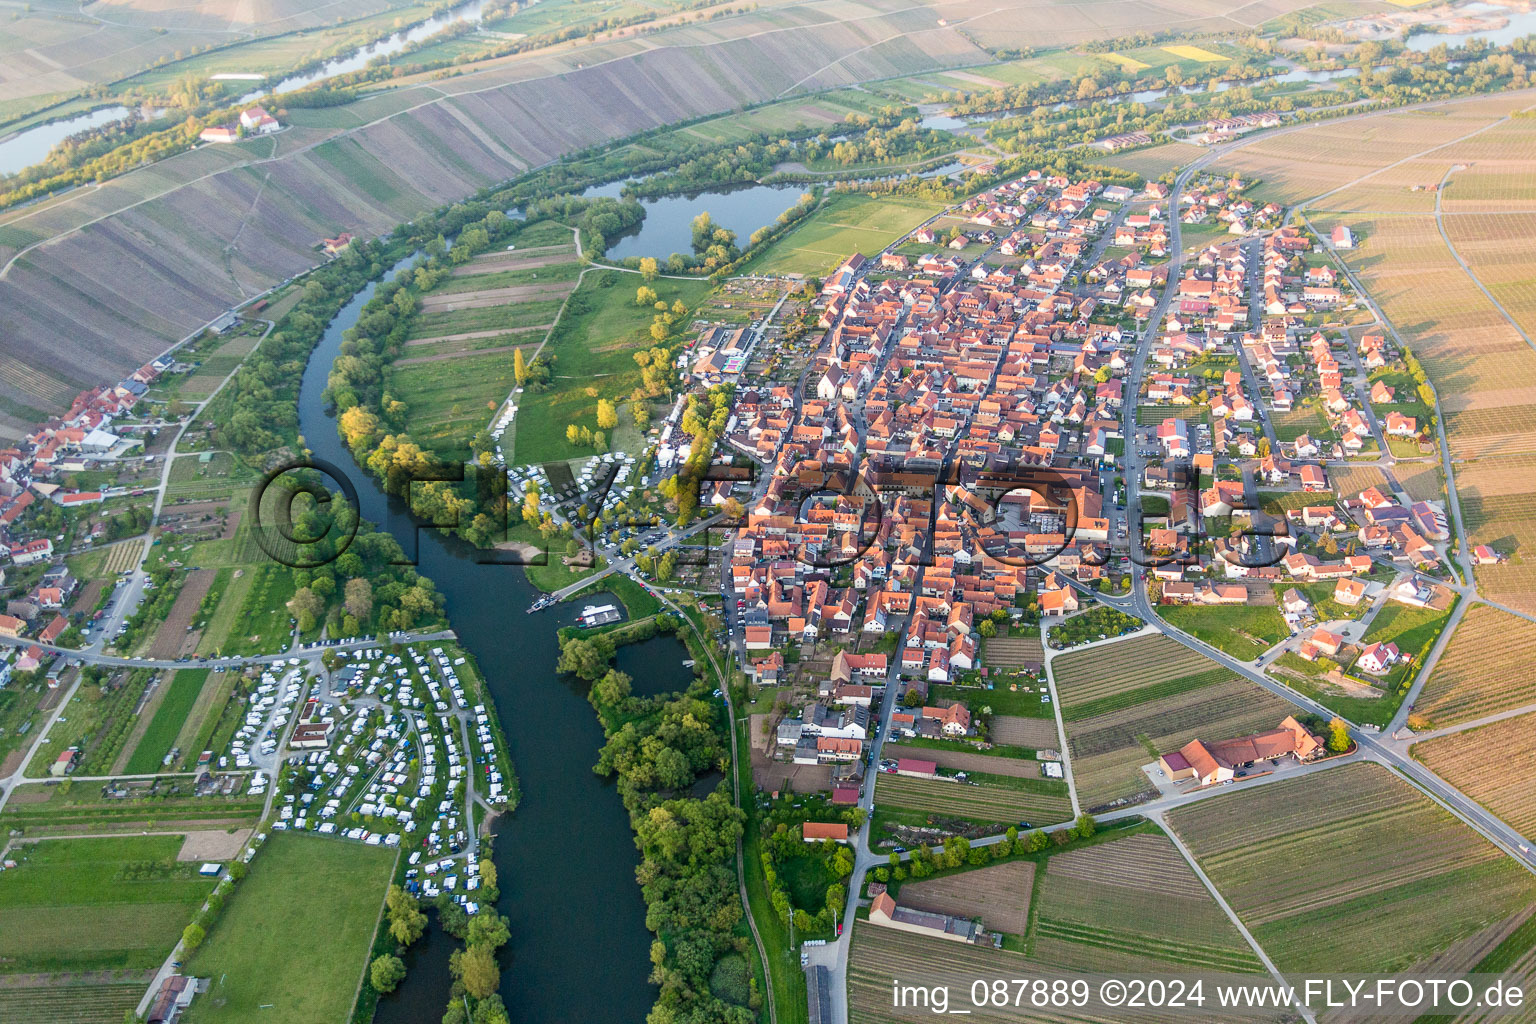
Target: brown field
{"type": "Point", "coordinates": [1485, 669]}
{"type": "Point", "coordinates": [1351, 870]}
{"type": "Point", "coordinates": [1133, 905]}
{"type": "Point", "coordinates": [1351, 480]}
{"type": "Point", "coordinates": [1496, 497]}
{"type": "Point", "coordinates": [1323, 157]}
{"type": "Point", "coordinates": [964, 760]}
{"type": "Point", "coordinates": [173, 638]}
{"type": "Point", "coordinates": [1155, 161]}
{"type": "Point", "coordinates": [1494, 765]}
{"type": "Point", "coordinates": [1108, 750]}
{"type": "Point", "coordinates": [999, 895]}
{"type": "Point", "coordinates": [1423, 481]}
{"type": "Point", "coordinates": [1018, 731]}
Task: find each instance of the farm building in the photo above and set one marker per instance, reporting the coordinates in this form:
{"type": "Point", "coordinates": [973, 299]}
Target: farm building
{"type": "Point", "coordinates": [884, 911]}
{"type": "Point", "coordinates": [1212, 763]}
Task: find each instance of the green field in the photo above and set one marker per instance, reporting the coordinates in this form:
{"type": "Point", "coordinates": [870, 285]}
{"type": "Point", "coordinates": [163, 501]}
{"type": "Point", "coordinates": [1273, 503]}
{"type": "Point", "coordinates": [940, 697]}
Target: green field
{"type": "Point", "coordinates": [1043, 801]}
{"type": "Point", "coordinates": [174, 708]}
{"type": "Point", "coordinates": [96, 904]}
{"type": "Point", "coordinates": [593, 348]}
{"type": "Point", "coordinates": [846, 224]}
{"type": "Point", "coordinates": [1243, 631]}
{"type": "Point", "coordinates": [291, 945]}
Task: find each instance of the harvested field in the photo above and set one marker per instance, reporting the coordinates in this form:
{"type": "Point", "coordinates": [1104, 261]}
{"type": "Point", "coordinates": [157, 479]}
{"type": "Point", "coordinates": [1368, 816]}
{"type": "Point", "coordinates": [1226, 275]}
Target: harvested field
{"type": "Point", "coordinates": [1155, 161]}
{"type": "Point", "coordinates": [1496, 496]}
{"type": "Point", "coordinates": [1118, 675]}
{"type": "Point", "coordinates": [1422, 481]}
{"type": "Point", "coordinates": [983, 803]}
{"type": "Point", "coordinates": [965, 760]}
{"type": "Point", "coordinates": [1287, 858]}
{"type": "Point", "coordinates": [1017, 731]}
{"type": "Point", "coordinates": [1494, 765]}
{"type": "Point", "coordinates": [1109, 749]}
{"type": "Point", "coordinates": [173, 639]}
{"type": "Point", "coordinates": [89, 594]}
{"type": "Point", "coordinates": [1013, 651]}
{"type": "Point", "coordinates": [999, 895]}
{"type": "Point", "coordinates": [1133, 905]}
{"type": "Point", "coordinates": [1485, 669]}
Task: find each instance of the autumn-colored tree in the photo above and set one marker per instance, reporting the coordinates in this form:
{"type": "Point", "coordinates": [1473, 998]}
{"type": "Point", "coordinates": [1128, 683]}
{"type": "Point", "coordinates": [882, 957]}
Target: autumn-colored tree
{"type": "Point", "coordinates": [607, 415]}
{"type": "Point", "coordinates": [1338, 735]}
{"type": "Point", "coordinates": [476, 968]}
{"type": "Point", "coordinates": [358, 602]}
{"type": "Point", "coordinates": [649, 268]}
{"type": "Point", "coordinates": [645, 296]}
{"type": "Point", "coordinates": [519, 368]}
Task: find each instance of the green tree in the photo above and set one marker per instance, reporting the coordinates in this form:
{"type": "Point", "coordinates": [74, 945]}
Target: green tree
{"type": "Point", "coordinates": [192, 936]}
{"type": "Point", "coordinates": [476, 969]}
{"type": "Point", "coordinates": [386, 972]}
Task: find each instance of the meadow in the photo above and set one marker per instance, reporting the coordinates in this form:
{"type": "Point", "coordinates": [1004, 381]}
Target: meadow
{"type": "Point", "coordinates": [844, 225]}
{"type": "Point", "coordinates": [176, 706]}
{"type": "Point", "coordinates": [1242, 630]}
{"type": "Point", "coordinates": [1288, 858]}
{"type": "Point", "coordinates": [593, 348]}
{"type": "Point", "coordinates": [96, 904]}
{"type": "Point", "coordinates": [291, 945]}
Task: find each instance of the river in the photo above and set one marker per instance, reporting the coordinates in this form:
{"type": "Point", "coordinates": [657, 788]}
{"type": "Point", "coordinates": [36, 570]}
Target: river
{"type": "Point", "coordinates": [32, 146]}
{"type": "Point", "coordinates": [362, 56]}
{"type": "Point", "coordinates": [565, 859]}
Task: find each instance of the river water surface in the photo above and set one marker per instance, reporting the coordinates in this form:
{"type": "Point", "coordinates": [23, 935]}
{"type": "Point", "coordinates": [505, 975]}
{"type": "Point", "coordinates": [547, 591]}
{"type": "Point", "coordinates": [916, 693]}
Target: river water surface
{"type": "Point", "coordinates": [565, 859]}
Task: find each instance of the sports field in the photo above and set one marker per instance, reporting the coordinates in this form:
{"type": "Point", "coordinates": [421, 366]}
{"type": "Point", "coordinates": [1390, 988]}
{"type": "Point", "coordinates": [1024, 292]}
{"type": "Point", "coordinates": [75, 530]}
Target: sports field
{"type": "Point", "coordinates": [292, 943]}
{"type": "Point", "coordinates": [1352, 870]}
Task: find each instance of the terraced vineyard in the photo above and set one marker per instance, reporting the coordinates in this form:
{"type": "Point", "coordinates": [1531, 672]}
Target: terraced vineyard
{"type": "Point", "coordinates": [1352, 870]}
{"type": "Point", "coordinates": [1494, 765]}
{"type": "Point", "coordinates": [1485, 669]}
{"type": "Point", "coordinates": [1109, 749]}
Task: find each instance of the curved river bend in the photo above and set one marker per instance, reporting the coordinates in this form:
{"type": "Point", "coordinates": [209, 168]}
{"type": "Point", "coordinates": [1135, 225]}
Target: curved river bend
{"type": "Point", "coordinates": [565, 859]}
